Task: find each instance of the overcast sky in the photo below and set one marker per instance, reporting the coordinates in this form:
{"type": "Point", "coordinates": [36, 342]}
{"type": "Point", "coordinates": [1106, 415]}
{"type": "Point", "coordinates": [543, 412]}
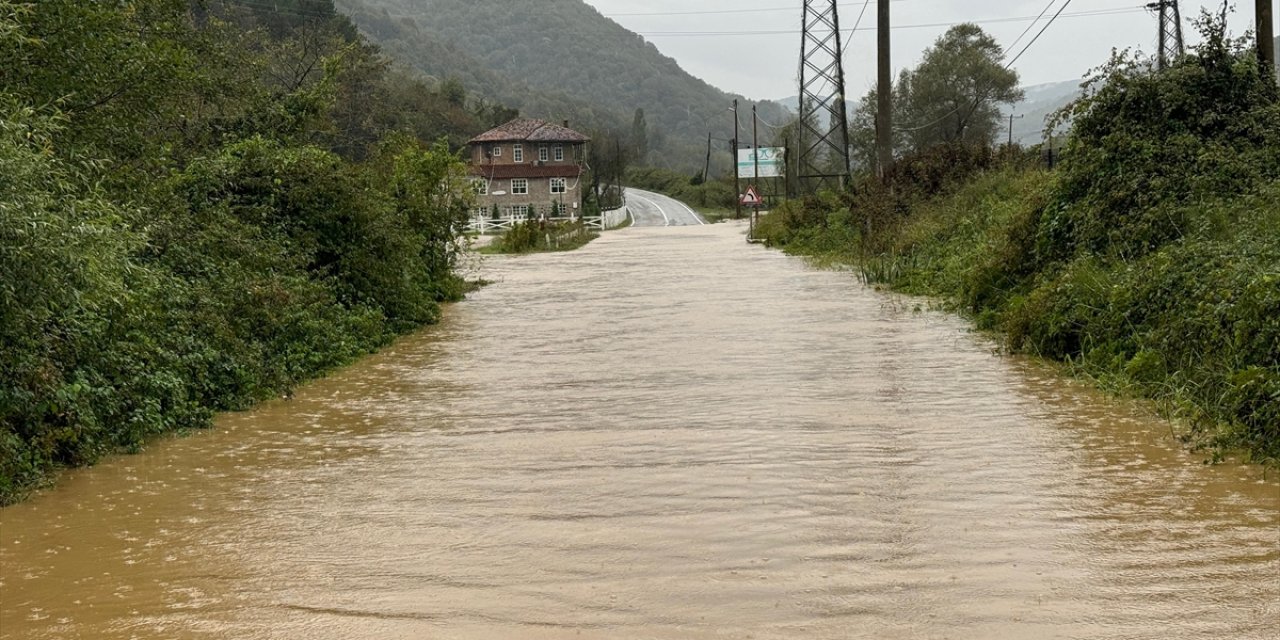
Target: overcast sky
{"type": "Point", "coordinates": [764, 66]}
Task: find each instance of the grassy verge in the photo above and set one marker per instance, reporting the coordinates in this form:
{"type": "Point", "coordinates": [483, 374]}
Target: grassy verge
{"type": "Point", "coordinates": [1148, 260]}
{"type": "Point", "coordinates": [1194, 325]}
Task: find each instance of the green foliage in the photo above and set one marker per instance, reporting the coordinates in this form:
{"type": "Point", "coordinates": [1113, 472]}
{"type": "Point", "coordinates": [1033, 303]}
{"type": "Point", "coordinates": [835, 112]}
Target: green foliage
{"type": "Point", "coordinates": [952, 97]}
{"type": "Point", "coordinates": [534, 236]}
{"type": "Point", "coordinates": [183, 227]}
{"type": "Point", "coordinates": [712, 194]}
{"type": "Point", "coordinates": [1148, 260]}
{"type": "Point", "coordinates": [1145, 145]}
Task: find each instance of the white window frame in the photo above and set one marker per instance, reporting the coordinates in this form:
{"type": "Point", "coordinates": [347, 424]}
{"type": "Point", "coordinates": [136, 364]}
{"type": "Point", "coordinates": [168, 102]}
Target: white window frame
{"type": "Point", "coordinates": [480, 186]}
{"type": "Point", "coordinates": [519, 212]}
{"type": "Point", "coordinates": [543, 153]}
{"type": "Point", "coordinates": [559, 153]}
{"type": "Point", "coordinates": [496, 151]}
{"type": "Point", "coordinates": [519, 186]}
{"type": "Point", "coordinates": [562, 183]}
{"type": "Point", "coordinates": [559, 209]}
{"type": "Point", "coordinates": [517, 153]}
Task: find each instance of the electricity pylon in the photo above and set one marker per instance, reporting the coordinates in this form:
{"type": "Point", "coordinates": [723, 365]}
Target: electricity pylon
{"type": "Point", "coordinates": [824, 123]}
{"type": "Point", "coordinates": [1170, 35]}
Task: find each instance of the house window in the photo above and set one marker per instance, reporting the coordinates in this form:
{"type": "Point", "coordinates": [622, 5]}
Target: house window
{"type": "Point", "coordinates": [520, 211]}
{"type": "Point", "coordinates": [543, 154]}
{"type": "Point", "coordinates": [520, 187]}
{"type": "Point", "coordinates": [558, 209]}
{"type": "Point", "coordinates": [480, 187]}
{"type": "Point", "coordinates": [559, 185]}
{"type": "Point", "coordinates": [496, 151]}
{"type": "Point", "coordinates": [559, 153]}
{"type": "Point", "coordinates": [517, 153]}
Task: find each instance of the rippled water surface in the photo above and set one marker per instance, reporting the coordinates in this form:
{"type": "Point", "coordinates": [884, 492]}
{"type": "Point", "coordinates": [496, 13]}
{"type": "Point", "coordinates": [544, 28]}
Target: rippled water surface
{"type": "Point", "coordinates": [667, 434]}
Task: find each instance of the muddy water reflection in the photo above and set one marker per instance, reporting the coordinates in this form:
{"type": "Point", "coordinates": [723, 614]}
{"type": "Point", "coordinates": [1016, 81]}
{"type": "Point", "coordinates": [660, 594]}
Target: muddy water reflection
{"type": "Point", "coordinates": [667, 434]}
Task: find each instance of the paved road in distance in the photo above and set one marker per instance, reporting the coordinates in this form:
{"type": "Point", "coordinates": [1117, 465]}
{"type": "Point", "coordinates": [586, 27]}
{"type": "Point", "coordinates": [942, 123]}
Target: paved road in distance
{"type": "Point", "coordinates": [651, 209]}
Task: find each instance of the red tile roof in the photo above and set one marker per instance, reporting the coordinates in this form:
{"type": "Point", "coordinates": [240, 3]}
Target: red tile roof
{"type": "Point", "coordinates": [528, 129]}
{"type": "Point", "coordinates": [507, 171]}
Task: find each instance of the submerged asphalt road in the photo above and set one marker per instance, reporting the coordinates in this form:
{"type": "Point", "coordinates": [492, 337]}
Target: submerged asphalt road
{"type": "Point", "coordinates": [651, 209]}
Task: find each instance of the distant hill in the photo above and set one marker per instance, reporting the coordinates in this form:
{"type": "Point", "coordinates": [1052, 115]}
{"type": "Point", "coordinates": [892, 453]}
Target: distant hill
{"type": "Point", "coordinates": [1040, 102]}
{"type": "Point", "coordinates": [559, 59]}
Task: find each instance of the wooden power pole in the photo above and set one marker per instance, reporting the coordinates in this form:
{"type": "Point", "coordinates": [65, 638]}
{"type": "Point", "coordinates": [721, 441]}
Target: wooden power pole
{"type": "Point", "coordinates": [1266, 37]}
{"type": "Point", "coordinates": [737, 186]}
{"type": "Point", "coordinates": [884, 91]}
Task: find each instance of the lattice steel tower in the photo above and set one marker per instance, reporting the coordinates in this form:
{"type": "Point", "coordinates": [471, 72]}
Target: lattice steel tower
{"type": "Point", "coordinates": [824, 124]}
{"type": "Point", "coordinates": [1170, 40]}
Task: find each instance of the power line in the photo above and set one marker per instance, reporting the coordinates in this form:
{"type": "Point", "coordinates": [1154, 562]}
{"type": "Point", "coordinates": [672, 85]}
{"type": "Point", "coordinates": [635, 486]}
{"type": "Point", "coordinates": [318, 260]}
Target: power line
{"type": "Point", "coordinates": [766, 32]}
{"type": "Point", "coordinates": [1032, 25]}
{"type": "Point", "coordinates": [857, 23]}
{"type": "Point", "coordinates": [1033, 40]}
{"type": "Point", "coordinates": [1006, 66]}
{"type": "Point", "coordinates": [702, 13]}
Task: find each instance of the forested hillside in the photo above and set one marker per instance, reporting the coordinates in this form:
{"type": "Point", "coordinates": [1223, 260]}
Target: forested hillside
{"type": "Point", "coordinates": [201, 204]}
{"type": "Point", "coordinates": [559, 59]}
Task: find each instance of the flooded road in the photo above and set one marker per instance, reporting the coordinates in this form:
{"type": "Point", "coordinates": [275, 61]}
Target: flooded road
{"type": "Point", "coordinates": [666, 434]}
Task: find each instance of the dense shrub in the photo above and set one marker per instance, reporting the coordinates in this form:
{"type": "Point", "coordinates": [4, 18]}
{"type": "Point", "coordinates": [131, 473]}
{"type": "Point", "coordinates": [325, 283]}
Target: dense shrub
{"type": "Point", "coordinates": [704, 194]}
{"type": "Point", "coordinates": [1149, 259]}
{"type": "Point", "coordinates": [174, 242]}
{"type": "Point", "coordinates": [536, 235]}
{"type": "Point", "coordinates": [1146, 145]}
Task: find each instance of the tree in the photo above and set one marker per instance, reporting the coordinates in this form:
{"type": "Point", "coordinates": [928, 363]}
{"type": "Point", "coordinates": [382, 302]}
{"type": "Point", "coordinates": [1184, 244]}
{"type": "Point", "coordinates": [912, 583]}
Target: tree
{"type": "Point", "coordinates": [952, 96]}
{"type": "Point", "coordinates": [640, 137]}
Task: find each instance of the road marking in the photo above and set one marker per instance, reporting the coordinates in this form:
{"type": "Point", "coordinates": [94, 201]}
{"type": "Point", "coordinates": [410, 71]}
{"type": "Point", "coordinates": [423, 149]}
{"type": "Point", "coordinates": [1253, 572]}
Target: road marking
{"type": "Point", "coordinates": [665, 219]}
{"type": "Point", "coordinates": [696, 217]}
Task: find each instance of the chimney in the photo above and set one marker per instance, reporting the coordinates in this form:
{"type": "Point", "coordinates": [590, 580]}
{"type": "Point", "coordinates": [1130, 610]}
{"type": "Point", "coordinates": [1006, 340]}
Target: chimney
{"type": "Point", "coordinates": [566, 124]}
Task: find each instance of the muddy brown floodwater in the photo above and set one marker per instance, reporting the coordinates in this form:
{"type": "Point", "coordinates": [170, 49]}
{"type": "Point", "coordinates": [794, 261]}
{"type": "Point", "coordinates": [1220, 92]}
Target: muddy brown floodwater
{"type": "Point", "coordinates": [667, 434]}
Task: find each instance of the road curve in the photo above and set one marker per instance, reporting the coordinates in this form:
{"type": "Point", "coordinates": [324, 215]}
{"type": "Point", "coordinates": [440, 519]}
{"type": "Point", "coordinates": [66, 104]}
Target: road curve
{"type": "Point", "coordinates": [650, 209]}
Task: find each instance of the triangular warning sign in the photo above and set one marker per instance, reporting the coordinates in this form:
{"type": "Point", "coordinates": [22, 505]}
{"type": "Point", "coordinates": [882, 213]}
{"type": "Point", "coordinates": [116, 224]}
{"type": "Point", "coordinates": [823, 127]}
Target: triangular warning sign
{"type": "Point", "coordinates": [751, 198]}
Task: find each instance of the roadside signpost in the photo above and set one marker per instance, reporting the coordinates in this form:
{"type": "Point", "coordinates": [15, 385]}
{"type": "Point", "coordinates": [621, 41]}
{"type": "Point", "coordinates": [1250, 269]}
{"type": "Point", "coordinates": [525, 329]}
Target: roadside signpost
{"type": "Point", "coordinates": [752, 199]}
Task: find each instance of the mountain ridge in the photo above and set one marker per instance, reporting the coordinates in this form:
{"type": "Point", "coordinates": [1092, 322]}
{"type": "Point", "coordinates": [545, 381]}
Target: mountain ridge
{"type": "Point", "coordinates": [558, 59]}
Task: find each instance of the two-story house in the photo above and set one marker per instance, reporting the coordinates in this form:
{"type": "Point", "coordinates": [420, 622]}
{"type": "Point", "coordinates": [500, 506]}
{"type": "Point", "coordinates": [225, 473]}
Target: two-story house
{"type": "Point", "coordinates": [528, 168]}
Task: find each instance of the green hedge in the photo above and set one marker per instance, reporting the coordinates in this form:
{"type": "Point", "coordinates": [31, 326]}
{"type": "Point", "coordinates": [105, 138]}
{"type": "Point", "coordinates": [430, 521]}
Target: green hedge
{"type": "Point", "coordinates": [1149, 259]}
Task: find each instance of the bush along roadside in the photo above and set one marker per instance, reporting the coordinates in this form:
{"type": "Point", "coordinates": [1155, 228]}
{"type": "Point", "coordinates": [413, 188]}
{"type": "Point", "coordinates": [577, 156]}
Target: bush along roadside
{"type": "Point", "coordinates": [191, 244]}
{"type": "Point", "coordinates": [713, 199]}
{"type": "Point", "coordinates": [1148, 259]}
{"type": "Point", "coordinates": [534, 236]}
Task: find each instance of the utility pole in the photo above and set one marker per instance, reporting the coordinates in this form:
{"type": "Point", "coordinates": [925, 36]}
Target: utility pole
{"type": "Point", "coordinates": [786, 168]}
{"type": "Point", "coordinates": [617, 158]}
{"type": "Point", "coordinates": [1266, 37]}
{"type": "Point", "coordinates": [884, 91]}
{"type": "Point", "coordinates": [1170, 32]}
{"type": "Point", "coordinates": [706, 169]}
{"type": "Point", "coordinates": [737, 187]}
{"type": "Point", "coordinates": [824, 120]}
{"type": "Point", "coordinates": [755, 144]}
{"type": "Point", "coordinates": [755, 161]}
{"type": "Point", "coordinates": [1011, 116]}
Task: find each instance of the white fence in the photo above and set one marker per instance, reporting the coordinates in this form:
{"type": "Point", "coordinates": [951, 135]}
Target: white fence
{"type": "Point", "coordinates": [489, 225]}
